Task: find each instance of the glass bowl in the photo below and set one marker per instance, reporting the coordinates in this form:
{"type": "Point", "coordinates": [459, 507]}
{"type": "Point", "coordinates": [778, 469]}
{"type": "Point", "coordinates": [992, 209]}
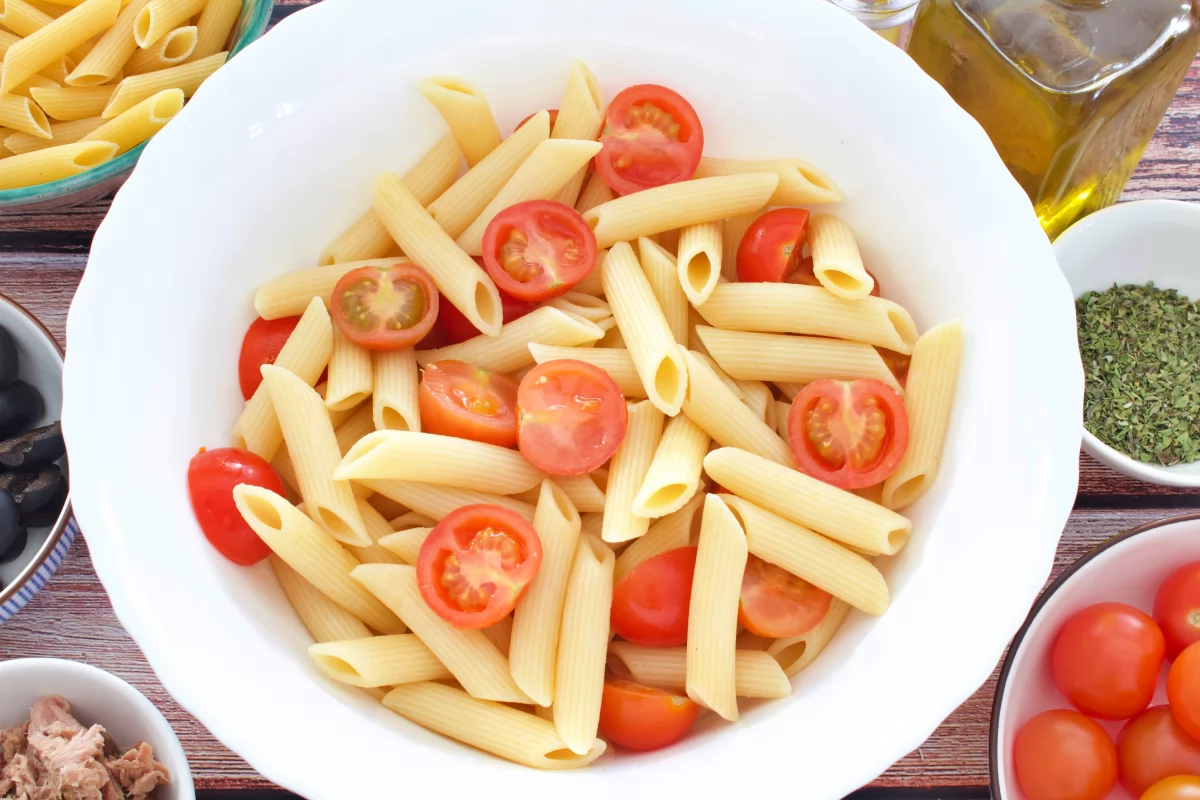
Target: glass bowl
{"type": "Point", "coordinates": [110, 175]}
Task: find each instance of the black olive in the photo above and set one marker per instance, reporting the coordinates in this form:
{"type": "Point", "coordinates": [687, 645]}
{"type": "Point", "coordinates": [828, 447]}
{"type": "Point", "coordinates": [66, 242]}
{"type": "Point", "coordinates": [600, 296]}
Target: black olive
{"type": "Point", "coordinates": [32, 490]}
{"type": "Point", "coordinates": [34, 448]}
{"type": "Point", "coordinates": [20, 405]}
{"type": "Point", "coordinates": [10, 521]}
{"type": "Point", "coordinates": [10, 363]}
{"type": "Point", "coordinates": [17, 547]}
{"type": "Point", "coordinates": [47, 515]}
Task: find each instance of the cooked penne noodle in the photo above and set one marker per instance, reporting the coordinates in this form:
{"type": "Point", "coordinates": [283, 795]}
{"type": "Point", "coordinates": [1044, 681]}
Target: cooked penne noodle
{"type": "Point", "coordinates": [173, 48]}
{"type": "Point", "coordinates": [669, 533]}
{"type": "Point", "coordinates": [678, 205]}
{"type": "Point", "coordinates": [111, 51]}
{"type": "Point", "coordinates": [162, 16]}
{"type": "Point", "coordinates": [445, 460]}
{"type": "Point", "coordinates": [712, 616]}
{"type": "Point", "coordinates": [731, 238]}
{"type": "Point", "coordinates": [793, 359]}
{"type": "Point", "coordinates": [538, 617]}
{"type": "Point", "coordinates": [836, 260]}
{"type": "Point", "coordinates": [291, 293]}
{"type": "Point", "coordinates": [593, 283]}
{"type": "Point", "coordinates": [62, 161]}
{"type": "Point", "coordinates": [406, 544]}
{"type": "Point", "coordinates": [500, 634]}
{"type": "Point", "coordinates": [734, 387]}
{"type": "Point", "coordinates": [590, 308]}
{"type": "Point", "coordinates": [377, 528]}
{"type": "Point", "coordinates": [756, 674]}
{"type": "Point", "coordinates": [627, 473]}
{"type": "Point", "coordinates": [580, 115]}
{"type": "Point", "coordinates": [549, 167]}
{"type": "Point", "coordinates": [509, 351]}
{"type": "Point", "coordinates": [674, 474]}
{"type": "Point", "coordinates": [394, 397]}
{"type": "Point", "coordinates": [591, 524]}
{"type": "Point", "coordinates": [214, 25]}
{"type": "Point", "coordinates": [473, 660]}
{"type": "Point", "coordinates": [616, 362]}
{"type": "Point", "coordinates": [378, 661]}
{"type": "Point", "coordinates": [800, 183]}
{"type": "Point", "coordinates": [282, 464]}
{"type": "Point", "coordinates": [595, 192]}
{"type": "Point", "coordinates": [68, 103]}
{"type": "Point", "coordinates": [792, 308]}
{"type": "Point", "coordinates": [409, 519]}
{"type": "Point", "coordinates": [351, 376]}
{"type": "Point", "coordinates": [932, 379]}
{"type": "Point", "coordinates": [663, 276]}
{"type": "Point", "coordinates": [436, 501]}
{"type": "Point", "coordinates": [644, 328]}
{"type": "Point", "coordinates": [699, 262]}
{"type": "Point", "coordinates": [817, 505]}
{"type": "Point", "coordinates": [823, 563]}
{"type": "Point", "coordinates": [60, 132]}
{"type": "Point", "coordinates": [493, 727]}
{"type": "Point", "coordinates": [52, 40]}
{"type": "Point", "coordinates": [668, 240]}
{"type": "Point", "coordinates": [21, 114]}
{"type": "Point", "coordinates": [758, 398]}
{"type": "Point", "coordinates": [325, 619]}
{"type": "Point", "coordinates": [583, 644]}
{"type": "Point", "coordinates": [312, 553]}
{"type": "Point", "coordinates": [460, 280]}
{"type": "Point", "coordinates": [782, 412]}
{"type": "Point", "coordinates": [797, 652]}
{"type": "Point", "coordinates": [132, 127]}
{"type": "Point", "coordinates": [582, 491]}
{"type": "Point", "coordinates": [467, 112]}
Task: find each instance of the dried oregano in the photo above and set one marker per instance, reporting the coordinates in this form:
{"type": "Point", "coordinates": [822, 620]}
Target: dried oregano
{"type": "Point", "coordinates": [1141, 363]}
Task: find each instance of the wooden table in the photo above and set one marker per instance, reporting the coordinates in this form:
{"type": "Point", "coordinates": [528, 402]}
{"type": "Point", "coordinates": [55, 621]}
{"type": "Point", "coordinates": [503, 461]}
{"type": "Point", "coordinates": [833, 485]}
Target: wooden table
{"type": "Point", "coordinates": [42, 257]}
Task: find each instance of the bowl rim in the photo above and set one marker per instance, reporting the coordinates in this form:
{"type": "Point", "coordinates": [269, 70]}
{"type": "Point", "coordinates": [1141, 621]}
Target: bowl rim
{"type": "Point", "coordinates": [64, 517]}
{"type": "Point", "coordinates": [994, 765]}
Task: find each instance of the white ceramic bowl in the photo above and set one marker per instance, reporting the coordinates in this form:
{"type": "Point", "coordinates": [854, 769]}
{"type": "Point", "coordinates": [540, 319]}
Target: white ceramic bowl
{"type": "Point", "coordinates": [1148, 240]}
{"type": "Point", "coordinates": [96, 697]}
{"type": "Point", "coordinates": [1128, 568]}
{"type": "Point", "coordinates": [278, 152]}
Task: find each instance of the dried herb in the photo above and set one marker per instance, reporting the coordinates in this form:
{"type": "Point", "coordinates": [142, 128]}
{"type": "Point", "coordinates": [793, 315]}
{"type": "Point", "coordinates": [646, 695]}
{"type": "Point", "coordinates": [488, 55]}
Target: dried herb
{"type": "Point", "coordinates": [1141, 361]}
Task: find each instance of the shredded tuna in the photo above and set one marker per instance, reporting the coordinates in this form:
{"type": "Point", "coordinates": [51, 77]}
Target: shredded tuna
{"type": "Point", "coordinates": [138, 773]}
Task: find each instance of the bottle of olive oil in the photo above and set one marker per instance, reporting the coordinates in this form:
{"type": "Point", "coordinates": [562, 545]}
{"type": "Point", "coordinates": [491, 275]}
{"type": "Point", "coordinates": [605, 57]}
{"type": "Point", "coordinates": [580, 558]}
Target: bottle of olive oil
{"type": "Point", "coordinates": [1070, 91]}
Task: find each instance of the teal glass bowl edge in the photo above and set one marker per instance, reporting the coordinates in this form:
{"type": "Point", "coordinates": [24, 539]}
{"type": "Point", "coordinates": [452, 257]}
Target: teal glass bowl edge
{"type": "Point", "coordinates": [109, 175]}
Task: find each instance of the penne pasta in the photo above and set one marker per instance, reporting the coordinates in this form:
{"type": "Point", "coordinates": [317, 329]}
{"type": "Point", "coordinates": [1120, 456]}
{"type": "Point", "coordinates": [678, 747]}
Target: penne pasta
{"type": "Point", "coordinates": [378, 661]}
{"type": "Point", "coordinates": [68, 103]}
{"type": "Point", "coordinates": [582, 491]}
{"type": "Point", "coordinates": [593, 309]}
{"type": "Point", "coordinates": [394, 398]}
{"type": "Point", "coordinates": [800, 183]}
{"type": "Point", "coordinates": [436, 501]}
{"type": "Point", "coordinates": [782, 413]}
{"type": "Point", "coordinates": [509, 351]}
{"type": "Point", "coordinates": [132, 127]}
{"type": "Point", "coordinates": [627, 472]}
{"type": "Point", "coordinates": [23, 19]}
{"type": "Point", "coordinates": [406, 544]}
{"type": "Point", "coordinates": [291, 293]}
{"type": "Point", "coordinates": [756, 674]}
{"type": "Point", "coordinates": [595, 192]}
{"type": "Point", "coordinates": [797, 652]}
{"type": "Point", "coordinates": [668, 240]}
{"type": "Point", "coordinates": [699, 262]}
{"type": "Point", "coordinates": [663, 276]}
{"type": "Point", "coordinates": [351, 376]}
{"type": "Point", "coordinates": [215, 24]}
{"type": "Point", "coordinates": [60, 133]}
{"type": "Point", "coordinates": [21, 114]}
{"type": "Point", "coordinates": [175, 47]}
{"type": "Point", "coordinates": [758, 399]}
{"type": "Point", "coordinates": [325, 619]}
{"type": "Point", "coordinates": [580, 115]}
{"type": "Point", "coordinates": [184, 77]}
{"type": "Point", "coordinates": [500, 634]}
{"type": "Point", "coordinates": [616, 362]}
{"type": "Point", "coordinates": [836, 260]}
{"type": "Point", "coordinates": [160, 17]}
{"type": "Point", "coordinates": [52, 163]}
{"type": "Point", "coordinates": [674, 473]}
{"type": "Point", "coordinates": [669, 533]}
{"type": "Point", "coordinates": [732, 233]}
{"type": "Point", "coordinates": [467, 112]}
{"type": "Point", "coordinates": [408, 519]}
{"type": "Point", "coordinates": [53, 39]}
{"type": "Point", "coordinates": [377, 528]}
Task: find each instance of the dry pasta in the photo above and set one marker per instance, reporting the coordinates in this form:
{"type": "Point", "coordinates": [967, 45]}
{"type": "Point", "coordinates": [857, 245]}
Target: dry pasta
{"type": "Point", "coordinates": [214, 25]}
{"type": "Point", "coordinates": [111, 51]}
{"type": "Point", "coordinates": [54, 39]}
{"type": "Point", "coordinates": [184, 77]}
{"type": "Point", "coordinates": [132, 127]}
{"type": "Point", "coordinates": [172, 49]}
{"type": "Point", "coordinates": [53, 163]}
{"type": "Point", "coordinates": [69, 103]}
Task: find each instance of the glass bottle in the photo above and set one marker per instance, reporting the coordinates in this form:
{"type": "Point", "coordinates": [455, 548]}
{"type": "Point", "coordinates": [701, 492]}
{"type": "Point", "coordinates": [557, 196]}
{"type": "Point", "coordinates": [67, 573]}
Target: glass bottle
{"type": "Point", "coordinates": [888, 18]}
{"type": "Point", "coordinates": [1070, 91]}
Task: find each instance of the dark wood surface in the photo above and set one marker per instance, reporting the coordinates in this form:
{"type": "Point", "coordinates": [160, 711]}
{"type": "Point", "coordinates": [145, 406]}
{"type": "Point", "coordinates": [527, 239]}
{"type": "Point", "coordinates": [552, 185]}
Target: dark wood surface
{"type": "Point", "coordinates": [42, 256]}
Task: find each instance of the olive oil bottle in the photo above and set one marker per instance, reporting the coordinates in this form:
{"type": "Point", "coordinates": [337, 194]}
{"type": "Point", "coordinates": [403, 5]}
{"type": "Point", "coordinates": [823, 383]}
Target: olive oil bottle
{"type": "Point", "coordinates": [1070, 91]}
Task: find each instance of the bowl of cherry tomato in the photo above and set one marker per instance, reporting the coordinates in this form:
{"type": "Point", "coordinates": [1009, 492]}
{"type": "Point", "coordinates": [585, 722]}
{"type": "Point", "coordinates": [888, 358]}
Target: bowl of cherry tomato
{"type": "Point", "coordinates": [1099, 696]}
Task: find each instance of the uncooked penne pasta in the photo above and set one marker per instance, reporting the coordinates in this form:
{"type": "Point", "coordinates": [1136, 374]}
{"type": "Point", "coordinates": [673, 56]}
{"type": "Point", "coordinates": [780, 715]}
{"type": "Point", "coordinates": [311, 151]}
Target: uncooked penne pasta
{"type": "Point", "coordinates": [26, 87]}
{"type": "Point", "coordinates": [595, 192]}
{"type": "Point", "coordinates": [712, 616]}
{"type": "Point", "coordinates": [509, 351]}
{"type": "Point", "coordinates": [493, 727]}
{"type": "Point", "coordinates": [644, 328]}
{"type": "Point", "coordinates": [161, 16]}
{"type": "Point", "coordinates": [663, 276]}
{"type": "Point", "coordinates": [731, 238]}
{"type": "Point", "coordinates": [467, 112]}
{"type": "Point", "coordinates": [800, 183]}
{"type": "Point", "coordinates": [394, 397]}
{"type": "Point", "coordinates": [669, 533]}
{"type": "Point", "coordinates": [51, 41]}
{"type": "Point", "coordinates": [215, 24]}
{"type": "Point", "coordinates": [820, 561]}
{"type": "Point", "coordinates": [291, 293]}
{"type": "Point", "coordinates": [351, 376]}
{"type": "Point", "coordinates": [69, 103]}
{"type": "Point", "coordinates": [583, 644]}
{"type": "Point", "coordinates": [378, 661]}
{"type": "Point", "coordinates": [60, 132]}
{"type": "Point", "coordinates": [132, 127]}
{"type": "Point", "coordinates": [172, 49]}
{"type": "Point", "coordinates": [312, 553]}
{"type": "Point", "coordinates": [325, 619]}
{"type": "Point", "coordinates": [627, 473]}
{"type": "Point", "coordinates": [436, 501]}
{"type": "Point", "coordinates": [615, 361]}
{"type": "Point", "coordinates": [674, 473]}
{"type": "Point", "coordinates": [756, 674]}
{"type": "Point", "coordinates": [473, 660]}
{"type": "Point", "coordinates": [836, 260]}
{"type": "Point", "coordinates": [797, 652]}
{"type": "Point", "coordinates": [52, 163]}
{"type": "Point", "coordinates": [184, 77]}
{"type": "Point", "coordinates": [22, 18]}
{"type": "Point", "coordinates": [793, 308]}
{"type": "Point", "coordinates": [111, 51]}
{"type": "Point", "coordinates": [699, 261]}
{"type": "Point", "coordinates": [932, 379]}
{"type": "Point", "coordinates": [580, 115]}
{"type": "Point", "coordinates": [377, 528]}
{"type": "Point", "coordinates": [678, 205]}
{"type": "Point", "coordinates": [21, 114]}
{"type": "Point", "coordinates": [582, 491]}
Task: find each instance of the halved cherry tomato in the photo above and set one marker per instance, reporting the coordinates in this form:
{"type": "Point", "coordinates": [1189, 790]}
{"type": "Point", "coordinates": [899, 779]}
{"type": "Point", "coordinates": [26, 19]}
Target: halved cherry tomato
{"type": "Point", "coordinates": [777, 604]}
{"type": "Point", "coordinates": [458, 328]}
{"type": "Point", "coordinates": [553, 119]}
{"type": "Point", "coordinates": [851, 434]}
{"type": "Point", "coordinates": [1177, 608]}
{"type": "Point", "coordinates": [770, 249]}
{"type": "Point", "coordinates": [538, 250]}
{"type": "Point", "coordinates": [212, 474]}
{"type": "Point", "coordinates": [1151, 747]}
{"type": "Point", "coordinates": [458, 399]}
{"type": "Point", "coordinates": [261, 345]}
{"type": "Point", "coordinates": [385, 308]}
{"type": "Point", "coordinates": [1183, 690]}
{"type": "Point", "coordinates": [475, 564]}
{"type": "Point", "coordinates": [1177, 787]}
{"type": "Point", "coordinates": [651, 137]}
{"type": "Point", "coordinates": [1106, 660]}
{"type": "Point", "coordinates": [641, 718]}
{"type": "Point", "coordinates": [650, 606]}
{"type": "Point", "coordinates": [571, 417]}
{"type": "Point", "coordinates": [1063, 755]}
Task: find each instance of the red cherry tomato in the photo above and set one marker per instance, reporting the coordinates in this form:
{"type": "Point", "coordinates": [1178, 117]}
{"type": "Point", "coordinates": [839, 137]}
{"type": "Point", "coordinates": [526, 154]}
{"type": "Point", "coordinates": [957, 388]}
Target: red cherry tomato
{"type": "Point", "coordinates": [263, 341]}
{"type": "Point", "coordinates": [1183, 690]}
{"type": "Point", "coordinates": [571, 417]}
{"type": "Point", "coordinates": [538, 250]}
{"type": "Point", "coordinates": [457, 399]}
{"type": "Point", "coordinates": [1177, 787]}
{"type": "Point", "coordinates": [1177, 608]}
{"type": "Point", "coordinates": [385, 308]}
{"type": "Point", "coordinates": [457, 328]}
{"type": "Point", "coordinates": [770, 249]}
{"type": "Point", "coordinates": [212, 474]}
{"type": "Point", "coordinates": [1063, 755]}
{"type": "Point", "coordinates": [650, 606]}
{"type": "Point", "coordinates": [651, 137]}
{"type": "Point", "coordinates": [1106, 660]}
{"type": "Point", "coordinates": [777, 604]}
{"type": "Point", "coordinates": [475, 564]}
{"type": "Point", "coordinates": [641, 718]}
{"type": "Point", "coordinates": [851, 434]}
{"type": "Point", "coordinates": [553, 119]}
{"type": "Point", "coordinates": [1151, 747]}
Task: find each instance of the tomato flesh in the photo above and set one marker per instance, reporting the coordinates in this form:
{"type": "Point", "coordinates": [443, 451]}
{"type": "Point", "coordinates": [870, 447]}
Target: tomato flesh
{"type": "Point", "coordinates": [1177, 787]}
{"type": "Point", "coordinates": [538, 250]}
{"type": "Point", "coordinates": [457, 328]}
{"type": "Point", "coordinates": [777, 604]}
{"type": "Point", "coordinates": [1183, 690]}
{"type": "Point", "coordinates": [1106, 660]}
{"type": "Point", "coordinates": [650, 607]}
{"type": "Point", "coordinates": [475, 564]}
{"type": "Point", "coordinates": [851, 434]}
{"type": "Point", "coordinates": [1177, 608]}
{"type": "Point", "coordinates": [458, 399]}
{"type": "Point", "coordinates": [261, 345]}
{"type": "Point", "coordinates": [651, 137]}
{"type": "Point", "coordinates": [385, 308]}
{"type": "Point", "coordinates": [770, 249]}
{"type": "Point", "coordinates": [1153, 746]}
{"type": "Point", "coordinates": [571, 417]}
{"type": "Point", "coordinates": [1063, 755]}
{"type": "Point", "coordinates": [639, 717]}
{"type": "Point", "coordinates": [212, 476]}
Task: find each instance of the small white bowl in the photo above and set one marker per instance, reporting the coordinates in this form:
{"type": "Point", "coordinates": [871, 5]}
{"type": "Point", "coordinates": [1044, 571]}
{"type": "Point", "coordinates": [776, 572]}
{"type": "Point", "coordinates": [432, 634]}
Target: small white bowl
{"type": "Point", "coordinates": [1134, 243]}
{"type": "Point", "coordinates": [96, 697]}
